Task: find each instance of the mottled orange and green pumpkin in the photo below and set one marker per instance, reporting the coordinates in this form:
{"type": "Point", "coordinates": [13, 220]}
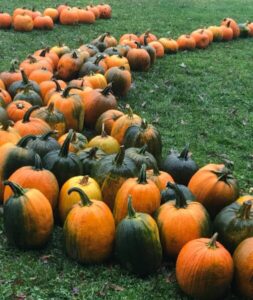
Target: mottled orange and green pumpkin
{"type": "Point", "coordinates": [180, 221]}
{"type": "Point", "coordinates": [28, 218]}
{"type": "Point", "coordinates": [89, 230]}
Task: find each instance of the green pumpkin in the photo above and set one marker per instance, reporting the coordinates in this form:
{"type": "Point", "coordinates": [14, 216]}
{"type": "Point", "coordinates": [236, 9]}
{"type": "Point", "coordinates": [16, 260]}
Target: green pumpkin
{"type": "Point", "coordinates": [168, 194]}
{"type": "Point", "coordinates": [234, 224]}
{"type": "Point", "coordinates": [111, 172]}
{"type": "Point", "coordinates": [29, 95]}
{"type": "Point", "coordinates": [244, 30]}
{"type": "Point", "coordinates": [141, 156]}
{"type": "Point", "coordinates": [138, 247]}
{"type": "Point", "coordinates": [144, 134]}
{"type": "Point", "coordinates": [62, 163]}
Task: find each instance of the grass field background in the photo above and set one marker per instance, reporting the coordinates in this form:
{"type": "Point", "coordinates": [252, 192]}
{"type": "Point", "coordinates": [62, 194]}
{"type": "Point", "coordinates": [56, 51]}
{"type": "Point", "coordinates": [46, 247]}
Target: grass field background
{"type": "Point", "coordinates": [201, 97]}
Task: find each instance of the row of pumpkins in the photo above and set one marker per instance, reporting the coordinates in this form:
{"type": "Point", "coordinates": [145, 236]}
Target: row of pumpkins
{"type": "Point", "coordinates": [23, 19]}
{"type": "Point", "coordinates": [63, 140]}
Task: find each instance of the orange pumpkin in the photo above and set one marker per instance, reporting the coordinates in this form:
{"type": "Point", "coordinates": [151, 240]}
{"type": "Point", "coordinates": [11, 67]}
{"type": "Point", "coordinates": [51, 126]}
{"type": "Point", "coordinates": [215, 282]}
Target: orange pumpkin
{"type": "Point", "coordinates": [217, 33]}
{"type": "Point", "coordinates": [5, 20]}
{"type": "Point", "coordinates": [201, 38]}
{"type": "Point", "coordinates": [69, 65]}
{"type": "Point", "coordinates": [107, 119]}
{"type": "Point", "coordinates": [17, 109]}
{"type": "Point", "coordinates": [186, 42]}
{"type": "Point", "coordinates": [159, 49]}
{"type": "Point", "coordinates": [52, 13]}
{"type": "Point", "coordinates": [97, 81]}
{"type": "Point", "coordinates": [160, 178]}
{"type": "Point", "coordinates": [170, 46]}
{"type": "Point", "coordinates": [41, 75]}
{"type": "Point", "coordinates": [68, 16]}
{"type": "Point", "coordinates": [43, 22]}
{"type": "Point", "coordinates": [244, 198]}
{"type": "Point", "coordinates": [23, 23]}
{"type": "Point", "coordinates": [227, 33]}
{"type": "Point", "coordinates": [14, 74]}
{"type": "Point", "coordinates": [231, 23]}
{"type": "Point", "coordinates": [150, 37]}
{"type": "Point", "coordinates": [8, 134]}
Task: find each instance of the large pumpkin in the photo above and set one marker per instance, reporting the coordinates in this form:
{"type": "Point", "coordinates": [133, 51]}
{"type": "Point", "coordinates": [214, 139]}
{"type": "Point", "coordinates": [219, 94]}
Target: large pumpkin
{"type": "Point", "coordinates": [214, 186]}
{"type": "Point", "coordinates": [28, 218]}
{"type": "Point", "coordinates": [95, 244]}
{"type": "Point", "coordinates": [204, 269]}
{"type": "Point", "coordinates": [145, 196]}
{"type": "Point", "coordinates": [181, 221]}
{"type": "Point", "coordinates": [234, 223]}
{"type": "Point", "coordinates": [137, 246]}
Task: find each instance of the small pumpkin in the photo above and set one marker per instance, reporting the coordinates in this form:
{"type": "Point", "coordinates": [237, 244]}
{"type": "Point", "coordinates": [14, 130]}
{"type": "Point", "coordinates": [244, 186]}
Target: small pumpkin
{"type": "Point", "coordinates": [22, 23]}
{"type": "Point", "coordinates": [145, 196]}
{"type": "Point", "coordinates": [12, 75]}
{"type": "Point", "coordinates": [97, 81]}
{"type": "Point", "coordinates": [69, 65]}
{"type": "Point", "coordinates": [201, 38]}
{"type": "Point", "coordinates": [29, 95]}
{"type": "Point", "coordinates": [136, 233]}
{"type": "Point", "coordinates": [217, 33]}
{"type": "Point", "coordinates": [89, 67]}
{"type": "Point", "coordinates": [82, 244]}
{"type": "Point", "coordinates": [28, 218]}
{"type": "Point", "coordinates": [160, 178]}
{"type": "Point", "coordinates": [16, 110]}
{"type": "Point", "coordinates": [120, 78]}
{"type": "Point", "coordinates": [139, 59]}
{"type": "Point", "coordinates": [107, 119]}
{"type": "Point", "coordinates": [66, 201]}
{"type": "Point", "coordinates": [68, 16]}
{"type": "Point", "coordinates": [203, 263]}
{"type": "Point", "coordinates": [186, 42]}
{"type": "Point", "coordinates": [231, 23]}
{"type": "Point", "coordinates": [170, 46]}
{"type": "Point", "coordinates": [141, 156]}
{"type": "Point", "coordinates": [180, 221]}
{"type": "Point", "coordinates": [5, 20]}
{"type": "Point", "coordinates": [234, 223]}
{"type": "Point", "coordinates": [43, 23]}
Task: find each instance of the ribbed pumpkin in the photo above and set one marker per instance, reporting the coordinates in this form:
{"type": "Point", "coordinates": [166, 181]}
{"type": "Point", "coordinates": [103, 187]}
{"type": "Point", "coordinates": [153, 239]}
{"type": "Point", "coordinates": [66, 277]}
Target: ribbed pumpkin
{"type": "Point", "coordinates": [139, 59]}
{"type": "Point", "coordinates": [29, 95]}
{"type": "Point", "coordinates": [8, 134]}
{"type": "Point", "coordinates": [77, 143]}
{"type": "Point", "coordinates": [28, 218]}
{"type": "Point", "coordinates": [234, 223]}
{"type": "Point", "coordinates": [170, 46]}
{"type": "Point", "coordinates": [214, 186]}
{"type": "Point", "coordinates": [14, 74]}
{"type": "Point", "coordinates": [120, 78]}
{"type": "Point", "coordinates": [121, 125]}
{"type": "Point", "coordinates": [69, 65]}
{"type": "Point", "coordinates": [30, 125]}
{"type": "Point", "coordinates": [181, 221]}
{"type": "Point", "coordinates": [89, 158]}
{"type": "Point", "coordinates": [243, 262]}
{"type": "Point", "coordinates": [62, 163]}
{"type": "Point", "coordinates": [94, 245]}
{"type": "Point", "coordinates": [145, 196]}
{"type": "Point", "coordinates": [105, 142]}
{"type": "Point", "coordinates": [71, 106]}
{"type": "Point", "coordinates": [180, 165]}
{"type": "Point", "coordinates": [141, 156]}
{"type": "Point", "coordinates": [66, 201]}
{"type": "Point", "coordinates": [137, 245]}
{"type": "Point", "coordinates": [229, 22]}
{"type": "Point", "coordinates": [144, 134]}
{"type": "Point", "coordinates": [111, 172]}
{"type": "Point", "coordinates": [204, 263]}
{"type": "Point", "coordinates": [160, 178]}
{"type": "Point", "coordinates": [16, 110]}
{"type": "Point", "coordinates": [108, 118]}
{"type": "Point", "coordinates": [37, 178]}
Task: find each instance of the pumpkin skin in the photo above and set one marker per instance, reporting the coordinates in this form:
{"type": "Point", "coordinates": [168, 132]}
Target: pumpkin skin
{"type": "Point", "coordinates": [5, 20]}
{"type": "Point", "coordinates": [227, 33]}
{"type": "Point", "coordinates": [29, 95]}
{"type": "Point", "coordinates": [229, 22]}
{"type": "Point", "coordinates": [8, 134]}
{"type": "Point", "coordinates": [62, 163]}
{"type": "Point", "coordinates": [68, 16]}
{"type": "Point", "coordinates": [77, 143]}
{"type": "Point", "coordinates": [121, 80]}
{"type": "Point", "coordinates": [145, 194]}
{"type": "Point", "coordinates": [144, 134]}
{"type": "Point", "coordinates": [180, 166]}
{"type": "Point", "coordinates": [111, 172]}
{"type": "Point", "coordinates": [168, 194]}
{"type": "Point", "coordinates": [67, 201]}
{"type": "Point", "coordinates": [203, 263]}
{"type": "Point", "coordinates": [243, 261]}
{"type": "Point", "coordinates": [37, 178]}
{"type": "Point", "coordinates": [186, 42]}
{"type": "Point", "coordinates": [69, 65]}
{"type": "Point", "coordinates": [139, 59]}
{"type": "Point", "coordinates": [22, 23]}
{"type": "Point", "coordinates": [89, 158]}
{"type": "Point", "coordinates": [221, 189]}
{"type": "Point", "coordinates": [107, 119]}
{"type": "Point", "coordinates": [181, 221]}
{"type": "Point", "coordinates": [14, 74]}
{"type": "Point", "coordinates": [136, 233]}
{"type": "Point", "coordinates": [170, 46]}
{"type": "Point", "coordinates": [217, 33]}
{"type": "Point", "coordinates": [244, 198]}
{"type": "Point", "coordinates": [234, 224]}
{"type": "Point", "coordinates": [141, 156]}
{"type": "Point", "coordinates": [28, 218]}
{"type": "Point", "coordinates": [82, 244]}
{"type": "Point", "coordinates": [121, 125]}
{"type": "Point", "coordinates": [160, 178]}
{"type": "Point", "coordinates": [16, 110]}
{"type": "Point", "coordinates": [201, 38]}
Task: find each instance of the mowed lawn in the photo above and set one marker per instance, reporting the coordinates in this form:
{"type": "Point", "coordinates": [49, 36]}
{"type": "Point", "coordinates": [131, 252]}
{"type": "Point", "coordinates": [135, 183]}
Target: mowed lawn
{"type": "Point", "coordinates": [203, 97]}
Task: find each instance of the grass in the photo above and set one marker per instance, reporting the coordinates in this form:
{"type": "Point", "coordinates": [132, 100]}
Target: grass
{"type": "Point", "coordinates": [201, 97]}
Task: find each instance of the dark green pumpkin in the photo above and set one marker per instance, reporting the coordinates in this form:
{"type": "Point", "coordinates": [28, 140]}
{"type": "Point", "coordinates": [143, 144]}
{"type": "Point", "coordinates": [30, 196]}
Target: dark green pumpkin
{"type": "Point", "coordinates": [180, 166]}
{"type": "Point", "coordinates": [92, 66]}
{"type": "Point", "coordinates": [89, 157]}
{"type": "Point", "coordinates": [112, 51]}
{"type": "Point", "coordinates": [99, 42]}
{"type": "Point", "coordinates": [28, 218]}
{"type": "Point", "coordinates": [43, 144]}
{"type": "Point", "coordinates": [16, 86]}
{"type": "Point", "coordinates": [139, 135]}
{"type": "Point", "coordinates": [244, 30]}
{"type": "Point", "coordinates": [29, 95]}
{"type": "Point", "coordinates": [168, 194]}
{"type": "Point", "coordinates": [141, 156]}
{"type": "Point", "coordinates": [4, 119]}
{"type": "Point", "coordinates": [111, 172]}
{"type": "Point", "coordinates": [138, 247]}
{"type": "Point", "coordinates": [234, 224]}
{"type": "Point", "coordinates": [62, 163]}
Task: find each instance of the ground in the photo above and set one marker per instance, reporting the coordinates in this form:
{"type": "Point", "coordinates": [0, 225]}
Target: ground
{"type": "Point", "coordinates": [200, 97]}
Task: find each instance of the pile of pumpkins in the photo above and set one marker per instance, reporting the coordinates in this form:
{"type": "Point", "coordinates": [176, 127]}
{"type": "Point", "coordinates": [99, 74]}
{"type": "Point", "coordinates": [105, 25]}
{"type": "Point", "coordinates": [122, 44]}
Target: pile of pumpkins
{"type": "Point", "coordinates": [23, 19]}
{"type": "Point", "coordinates": [70, 157]}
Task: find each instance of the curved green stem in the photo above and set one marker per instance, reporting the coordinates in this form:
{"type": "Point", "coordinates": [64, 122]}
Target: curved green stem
{"type": "Point", "coordinates": [84, 198]}
{"type": "Point", "coordinates": [65, 146]}
{"type": "Point", "coordinates": [184, 153]}
{"type": "Point", "coordinates": [38, 163]}
{"type": "Point", "coordinates": [119, 158]}
{"type": "Point", "coordinates": [244, 211]}
{"type": "Point", "coordinates": [180, 198]}
{"type": "Point", "coordinates": [212, 243]}
{"type": "Point", "coordinates": [17, 189]}
{"type": "Point", "coordinates": [107, 90]}
{"type": "Point", "coordinates": [24, 140]}
{"type": "Point", "coordinates": [28, 113]}
{"type": "Point", "coordinates": [142, 178]}
{"type": "Point", "coordinates": [130, 209]}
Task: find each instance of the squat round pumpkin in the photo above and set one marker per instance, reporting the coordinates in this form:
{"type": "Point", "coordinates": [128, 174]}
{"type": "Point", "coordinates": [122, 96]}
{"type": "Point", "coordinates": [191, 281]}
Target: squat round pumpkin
{"type": "Point", "coordinates": [89, 230]}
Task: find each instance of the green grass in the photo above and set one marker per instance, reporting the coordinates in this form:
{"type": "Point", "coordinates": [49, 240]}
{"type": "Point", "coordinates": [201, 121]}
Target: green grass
{"type": "Point", "coordinates": [207, 103]}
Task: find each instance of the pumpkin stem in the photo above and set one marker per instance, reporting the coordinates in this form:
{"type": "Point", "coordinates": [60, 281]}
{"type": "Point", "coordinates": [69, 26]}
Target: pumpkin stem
{"type": "Point", "coordinates": [65, 146]}
{"type": "Point", "coordinates": [138, 44]}
{"type": "Point", "coordinates": [37, 164]}
{"type": "Point", "coordinates": [58, 87]}
{"type": "Point", "coordinates": [130, 209]}
{"type": "Point", "coordinates": [84, 180]}
{"type": "Point", "coordinates": [46, 135]}
{"type": "Point", "coordinates": [99, 57]}
{"type": "Point", "coordinates": [103, 132]}
{"type": "Point", "coordinates": [102, 37]}
{"type": "Point", "coordinates": [120, 156]}
{"type": "Point", "coordinates": [224, 174]}
{"type": "Point", "coordinates": [66, 91]}
{"type": "Point", "coordinates": [14, 66]}
{"type": "Point", "coordinates": [156, 171]}
{"type": "Point", "coordinates": [5, 125]}
{"type": "Point", "coordinates": [107, 90]}
{"type": "Point", "coordinates": [24, 140]}
{"type": "Point", "coordinates": [145, 39]}
{"type": "Point", "coordinates": [92, 152]}
{"type": "Point", "coordinates": [142, 178]}
{"type": "Point", "coordinates": [185, 152]}
{"type": "Point", "coordinates": [84, 198]}
{"type": "Point", "coordinates": [144, 124]}
{"type": "Point", "coordinates": [143, 149]}
{"type": "Point", "coordinates": [44, 52]}
{"type": "Point", "coordinates": [17, 189]}
{"type": "Point", "coordinates": [74, 55]}
{"type": "Point", "coordinates": [212, 243]}
{"type": "Point", "coordinates": [244, 211]}
{"type": "Point", "coordinates": [50, 107]}
{"type": "Point", "coordinates": [180, 198]}
{"type": "Point", "coordinates": [24, 77]}
{"type": "Point", "coordinates": [129, 111]}
{"type": "Point", "coordinates": [28, 113]}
